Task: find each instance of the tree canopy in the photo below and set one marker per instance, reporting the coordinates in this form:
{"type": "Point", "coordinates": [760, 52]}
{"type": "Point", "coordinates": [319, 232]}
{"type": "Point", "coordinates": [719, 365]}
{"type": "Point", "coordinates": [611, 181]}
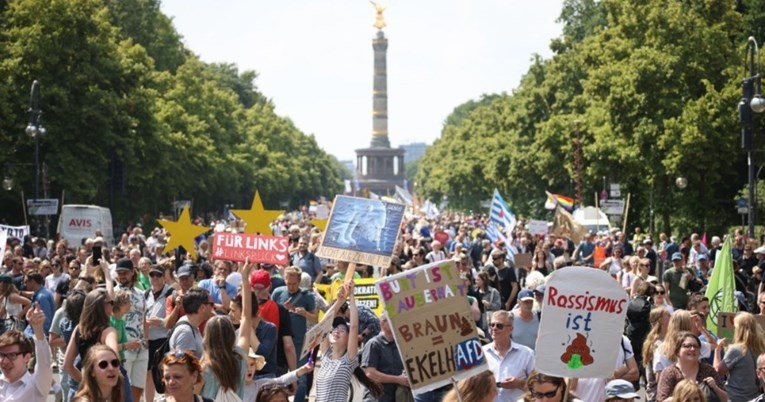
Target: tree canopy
{"type": "Point", "coordinates": [135, 120]}
{"type": "Point", "coordinates": [654, 86]}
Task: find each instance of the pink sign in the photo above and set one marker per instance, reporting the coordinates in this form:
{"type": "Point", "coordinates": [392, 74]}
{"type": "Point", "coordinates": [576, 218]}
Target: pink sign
{"type": "Point", "coordinates": [240, 246]}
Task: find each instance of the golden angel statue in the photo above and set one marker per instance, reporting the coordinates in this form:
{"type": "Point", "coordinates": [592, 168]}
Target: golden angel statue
{"type": "Point", "coordinates": [379, 20]}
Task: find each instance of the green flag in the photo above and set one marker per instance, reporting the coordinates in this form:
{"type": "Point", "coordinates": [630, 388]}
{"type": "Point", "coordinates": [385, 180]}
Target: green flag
{"type": "Point", "coordinates": [721, 287]}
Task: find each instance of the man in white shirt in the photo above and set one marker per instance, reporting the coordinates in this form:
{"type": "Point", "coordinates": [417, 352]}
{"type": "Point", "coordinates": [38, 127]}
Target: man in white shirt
{"type": "Point", "coordinates": [16, 382]}
{"type": "Point", "coordinates": [510, 362]}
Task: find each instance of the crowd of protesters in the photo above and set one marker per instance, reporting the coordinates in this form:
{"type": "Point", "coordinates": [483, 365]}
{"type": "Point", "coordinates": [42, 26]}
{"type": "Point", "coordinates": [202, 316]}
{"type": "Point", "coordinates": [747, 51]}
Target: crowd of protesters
{"type": "Point", "coordinates": [129, 320]}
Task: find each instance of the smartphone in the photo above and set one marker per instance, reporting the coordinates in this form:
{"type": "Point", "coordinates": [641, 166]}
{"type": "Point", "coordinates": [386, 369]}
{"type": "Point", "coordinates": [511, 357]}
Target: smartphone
{"type": "Point", "coordinates": [96, 255]}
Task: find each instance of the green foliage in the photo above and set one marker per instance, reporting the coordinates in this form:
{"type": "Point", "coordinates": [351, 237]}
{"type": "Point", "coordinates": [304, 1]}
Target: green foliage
{"type": "Point", "coordinates": [654, 86]}
{"type": "Point", "coordinates": [136, 121]}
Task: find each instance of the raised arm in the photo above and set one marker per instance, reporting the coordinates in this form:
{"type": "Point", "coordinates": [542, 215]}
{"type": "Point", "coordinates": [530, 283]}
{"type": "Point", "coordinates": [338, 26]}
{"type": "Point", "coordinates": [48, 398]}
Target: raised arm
{"type": "Point", "coordinates": [245, 328]}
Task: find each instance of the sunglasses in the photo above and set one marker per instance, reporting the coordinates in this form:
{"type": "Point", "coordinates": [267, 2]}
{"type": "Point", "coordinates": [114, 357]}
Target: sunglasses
{"type": "Point", "coordinates": [177, 353]}
{"type": "Point", "coordinates": [497, 325]}
{"type": "Point", "coordinates": [155, 275]}
{"type": "Point", "coordinates": [660, 292]}
{"type": "Point", "coordinates": [544, 395]}
{"type": "Point", "coordinates": [103, 364]}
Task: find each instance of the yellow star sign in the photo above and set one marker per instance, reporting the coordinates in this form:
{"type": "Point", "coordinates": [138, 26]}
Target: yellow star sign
{"type": "Point", "coordinates": [258, 219]}
{"type": "Point", "coordinates": [182, 232]}
{"type": "Point", "coordinates": [320, 223]}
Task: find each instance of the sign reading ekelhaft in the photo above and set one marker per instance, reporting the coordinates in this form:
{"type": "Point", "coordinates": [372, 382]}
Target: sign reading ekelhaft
{"type": "Point", "coordinates": [432, 324]}
{"type": "Point", "coordinates": [361, 230]}
{"type": "Point", "coordinates": [582, 323]}
{"type": "Point", "coordinates": [240, 246]}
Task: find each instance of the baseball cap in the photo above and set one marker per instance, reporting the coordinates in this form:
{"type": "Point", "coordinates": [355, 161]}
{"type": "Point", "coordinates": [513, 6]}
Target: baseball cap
{"type": "Point", "coordinates": [260, 277]}
{"type": "Point", "coordinates": [760, 250]}
{"type": "Point", "coordinates": [541, 289]}
{"type": "Point", "coordinates": [185, 270]}
{"type": "Point", "coordinates": [124, 264]}
{"type": "Point", "coordinates": [525, 294]}
{"type": "Point", "coordinates": [340, 321]}
{"type": "Point", "coordinates": [621, 389]}
{"type": "Point", "coordinates": [703, 257]}
{"type": "Point", "coordinates": [157, 268]}
{"type": "Point", "coordinates": [677, 257]}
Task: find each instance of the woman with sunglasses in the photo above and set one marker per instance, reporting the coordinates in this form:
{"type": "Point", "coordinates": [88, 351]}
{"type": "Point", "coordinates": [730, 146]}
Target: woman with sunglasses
{"type": "Point", "coordinates": [543, 387]}
{"type": "Point", "coordinates": [660, 299]}
{"type": "Point", "coordinates": [101, 378]}
{"type": "Point", "coordinates": [687, 366]}
{"type": "Point", "coordinates": [740, 361]}
{"type": "Point", "coordinates": [94, 328]}
{"type": "Point", "coordinates": [478, 388]}
{"type": "Point", "coordinates": [181, 372]}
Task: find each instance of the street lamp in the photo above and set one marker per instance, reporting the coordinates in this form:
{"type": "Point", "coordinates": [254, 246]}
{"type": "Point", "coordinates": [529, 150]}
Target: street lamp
{"type": "Point", "coordinates": [681, 182]}
{"type": "Point", "coordinates": [35, 130]}
{"type": "Point", "coordinates": [751, 101]}
{"type": "Point", "coordinates": [8, 183]}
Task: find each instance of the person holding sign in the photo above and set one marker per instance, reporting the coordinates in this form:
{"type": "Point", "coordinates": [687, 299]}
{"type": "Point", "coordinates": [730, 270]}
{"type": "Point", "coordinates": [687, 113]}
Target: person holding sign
{"type": "Point", "coordinates": [510, 362]}
{"type": "Point", "coordinates": [339, 354]}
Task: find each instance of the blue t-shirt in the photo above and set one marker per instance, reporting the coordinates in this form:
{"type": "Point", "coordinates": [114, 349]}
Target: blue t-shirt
{"type": "Point", "coordinates": [302, 299]}
{"type": "Point", "coordinates": [45, 299]}
{"type": "Point", "coordinates": [214, 290]}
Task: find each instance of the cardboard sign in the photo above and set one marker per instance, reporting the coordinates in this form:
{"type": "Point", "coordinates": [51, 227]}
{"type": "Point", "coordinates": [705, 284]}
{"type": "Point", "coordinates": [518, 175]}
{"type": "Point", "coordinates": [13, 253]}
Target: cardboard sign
{"type": "Point", "coordinates": [322, 211]}
{"type": "Point", "coordinates": [316, 334]}
{"type": "Point", "coordinates": [537, 227]}
{"type": "Point", "coordinates": [364, 292]}
{"type": "Point", "coordinates": [725, 326]}
{"type": "Point", "coordinates": [361, 230]}
{"type": "Point", "coordinates": [432, 324]}
{"type": "Point", "coordinates": [240, 246]}
{"type": "Point", "coordinates": [523, 260]}
{"type": "Point", "coordinates": [582, 323]}
{"type": "Point", "coordinates": [15, 231]}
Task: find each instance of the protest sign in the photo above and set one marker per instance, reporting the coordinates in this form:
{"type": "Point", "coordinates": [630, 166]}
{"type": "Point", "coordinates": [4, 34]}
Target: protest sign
{"type": "Point", "coordinates": [582, 324]}
{"type": "Point", "coordinates": [46, 206]}
{"type": "Point", "coordinates": [240, 246]}
{"type": "Point", "coordinates": [441, 236]}
{"type": "Point", "coordinates": [725, 327]}
{"type": "Point", "coordinates": [361, 230]}
{"type": "Point", "coordinates": [537, 227]}
{"type": "Point", "coordinates": [15, 231]}
{"type": "Point", "coordinates": [316, 334]}
{"type": "Point", "coordinates": [3, 242]}
{"type": "Point", "coordinates": [432, 324]}
{"type": "Point", "coordinates": [322, 211]}
{"type": "Point", "coordinates": [522, 260]}
{"type": "Point", "coordinates": [364, 292]}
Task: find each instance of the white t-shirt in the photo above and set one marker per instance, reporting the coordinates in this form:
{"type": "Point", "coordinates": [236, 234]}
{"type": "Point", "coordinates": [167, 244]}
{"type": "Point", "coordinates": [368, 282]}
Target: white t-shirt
{"type": "Point", "coordinates": [594, 389]}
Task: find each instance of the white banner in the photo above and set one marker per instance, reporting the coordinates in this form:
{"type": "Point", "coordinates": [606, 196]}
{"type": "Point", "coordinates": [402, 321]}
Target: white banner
{"type": "Point", "coordinates": [15, 231]}
{"type": "Point", "coordinates": [3, 243]}
{"type": "Point", "coordinates": [582, 323]}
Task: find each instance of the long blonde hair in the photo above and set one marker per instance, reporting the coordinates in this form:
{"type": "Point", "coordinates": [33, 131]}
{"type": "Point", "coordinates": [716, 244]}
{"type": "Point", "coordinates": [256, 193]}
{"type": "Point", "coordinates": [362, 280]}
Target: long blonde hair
{"type": "Point", "coordinates": [748, 335]}
{"type": "Point", "coordinates": [655, 318]}
{"type": "Point", "coordinates": [679, 321]}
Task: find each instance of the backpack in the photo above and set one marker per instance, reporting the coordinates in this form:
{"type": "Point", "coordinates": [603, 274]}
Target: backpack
{"type": "Point", "coordinates": [159, 354]}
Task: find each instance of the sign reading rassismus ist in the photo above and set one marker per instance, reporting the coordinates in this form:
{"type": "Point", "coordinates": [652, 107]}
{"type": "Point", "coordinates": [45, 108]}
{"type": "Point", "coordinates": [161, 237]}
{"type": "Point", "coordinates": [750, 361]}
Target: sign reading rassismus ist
{"type": "Point", "coordinates": [434, 331]}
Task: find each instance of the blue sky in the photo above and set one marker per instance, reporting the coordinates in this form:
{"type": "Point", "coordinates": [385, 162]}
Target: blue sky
{"type": "Point", "coordinates": [314, 57]}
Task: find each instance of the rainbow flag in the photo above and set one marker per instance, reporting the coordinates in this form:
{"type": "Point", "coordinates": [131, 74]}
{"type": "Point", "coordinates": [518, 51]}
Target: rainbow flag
{"type": "Point", "coordinates": [554, 200]}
